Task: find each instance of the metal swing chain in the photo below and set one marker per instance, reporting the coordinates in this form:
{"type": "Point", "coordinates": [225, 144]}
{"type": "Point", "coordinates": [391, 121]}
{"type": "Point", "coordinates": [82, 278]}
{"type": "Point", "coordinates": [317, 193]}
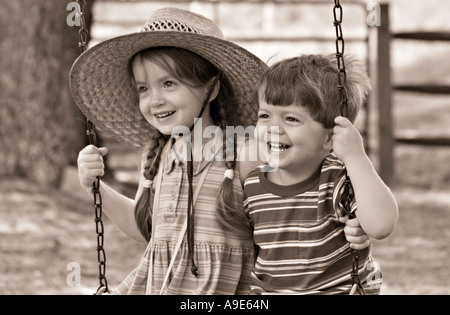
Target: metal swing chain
{"type": "Point", "coordinates": [98, 207]}
{"type": "Point", "coordinates": [348, 195]}
{"type": "Point", "coordinates": [83, 32]}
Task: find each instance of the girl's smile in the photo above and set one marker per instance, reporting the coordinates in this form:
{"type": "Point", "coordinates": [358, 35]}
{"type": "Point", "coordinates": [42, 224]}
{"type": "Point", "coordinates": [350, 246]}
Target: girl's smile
{"type": "Point", "coordinates": [164, 115]}
{"type": "Point", "coordinates": [165, 101]}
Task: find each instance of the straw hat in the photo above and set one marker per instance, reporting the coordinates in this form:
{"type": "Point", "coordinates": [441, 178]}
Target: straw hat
{"type": "Point", "coordinates": [101, 78]}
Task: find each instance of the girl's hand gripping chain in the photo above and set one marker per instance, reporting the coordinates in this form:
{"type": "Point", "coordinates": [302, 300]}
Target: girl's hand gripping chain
{"type": "Point", "coordinates": [90, 165]}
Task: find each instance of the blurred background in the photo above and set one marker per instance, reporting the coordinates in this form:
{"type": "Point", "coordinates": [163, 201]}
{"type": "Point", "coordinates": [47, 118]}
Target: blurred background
{"type": "Point", "coordinates": [47, 230]}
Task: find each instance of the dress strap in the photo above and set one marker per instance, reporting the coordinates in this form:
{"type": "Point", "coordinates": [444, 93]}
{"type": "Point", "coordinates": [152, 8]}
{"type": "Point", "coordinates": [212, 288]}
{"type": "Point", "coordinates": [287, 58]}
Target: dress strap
{"type": "Point", "coordinates": [155, 207]}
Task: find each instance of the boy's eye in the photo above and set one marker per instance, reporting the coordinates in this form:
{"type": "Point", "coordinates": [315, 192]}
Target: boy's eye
{"type": "Point", "coordinates": [291, 119]}
{"type": "Point", "coordinates": [168, 84]}
{"type": "Point", "coordinates": [142, 89]}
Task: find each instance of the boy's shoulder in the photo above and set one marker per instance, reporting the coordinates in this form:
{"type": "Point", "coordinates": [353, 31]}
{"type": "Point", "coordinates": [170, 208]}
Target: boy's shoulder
{"type": "Point", "coordinates": [331, 160]}
{"type": "Point", "coordinates": [333, 169]}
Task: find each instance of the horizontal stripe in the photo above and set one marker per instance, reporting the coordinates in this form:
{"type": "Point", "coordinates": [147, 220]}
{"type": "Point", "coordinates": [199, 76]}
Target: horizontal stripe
{"type": "Point", "coordinates": [302, 247]}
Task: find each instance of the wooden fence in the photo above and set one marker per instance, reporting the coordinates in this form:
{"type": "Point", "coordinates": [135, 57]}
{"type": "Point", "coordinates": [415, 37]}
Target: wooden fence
{"type": "Point", "coordinates": [373, 43]}
{"type": "Point", "coordinates": [388, 137]}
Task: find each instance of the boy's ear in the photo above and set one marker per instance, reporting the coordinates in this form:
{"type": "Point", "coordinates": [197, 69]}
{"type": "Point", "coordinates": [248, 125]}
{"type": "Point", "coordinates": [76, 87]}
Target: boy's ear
{"type": "Point", "coordinates": [215, 91]}
{"type": "Point", "coordinates": [328, 144]}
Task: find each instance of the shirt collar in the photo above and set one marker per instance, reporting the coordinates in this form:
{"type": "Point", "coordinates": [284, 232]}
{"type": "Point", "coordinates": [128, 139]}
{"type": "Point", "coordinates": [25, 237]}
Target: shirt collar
{"type": "Point", "coordinates": [176, 154]}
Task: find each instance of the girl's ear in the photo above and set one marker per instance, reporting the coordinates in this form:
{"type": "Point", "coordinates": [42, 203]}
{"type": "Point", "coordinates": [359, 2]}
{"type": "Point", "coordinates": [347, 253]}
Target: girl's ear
{"type": "Point", "coordinates": [216, 89]}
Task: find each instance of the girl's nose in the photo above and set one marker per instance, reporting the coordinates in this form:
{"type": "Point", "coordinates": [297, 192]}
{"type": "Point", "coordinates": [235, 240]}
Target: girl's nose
{"type": "Point", "coordinates": [156, 98]}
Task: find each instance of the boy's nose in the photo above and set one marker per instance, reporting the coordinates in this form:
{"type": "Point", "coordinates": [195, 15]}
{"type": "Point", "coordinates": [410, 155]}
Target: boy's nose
{"type": "Point", "coordinates": [276, 129]}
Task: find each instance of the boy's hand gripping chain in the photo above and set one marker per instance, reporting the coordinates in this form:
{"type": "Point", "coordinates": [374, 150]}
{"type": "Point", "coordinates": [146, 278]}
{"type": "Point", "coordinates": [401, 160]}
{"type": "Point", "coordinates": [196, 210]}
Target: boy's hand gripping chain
{"type": "Point", "coordinates": [348, 194]}
{"type": "Point", "coordinates": [90, 131]}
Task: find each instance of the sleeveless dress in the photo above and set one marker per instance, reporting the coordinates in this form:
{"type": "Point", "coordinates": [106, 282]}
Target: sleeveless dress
{"type": "Point", "coordinates": [224, 260]}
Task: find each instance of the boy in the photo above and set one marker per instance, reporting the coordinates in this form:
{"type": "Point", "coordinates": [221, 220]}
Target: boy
{"type": "Point", "coordinates": [295, 208]}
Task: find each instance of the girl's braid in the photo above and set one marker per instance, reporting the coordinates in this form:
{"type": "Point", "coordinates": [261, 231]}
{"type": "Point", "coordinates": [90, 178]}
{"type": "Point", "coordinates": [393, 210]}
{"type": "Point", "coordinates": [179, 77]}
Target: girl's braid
{"type": "Point", "coordinates": [230, 215]}
{"type": "Point", "coordinates": [143, 210]}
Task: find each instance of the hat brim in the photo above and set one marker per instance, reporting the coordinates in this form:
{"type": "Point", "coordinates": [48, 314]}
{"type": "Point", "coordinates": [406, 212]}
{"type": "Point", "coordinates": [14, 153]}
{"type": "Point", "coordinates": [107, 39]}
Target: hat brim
{"type": "Point", "coordinates": [101, 79]}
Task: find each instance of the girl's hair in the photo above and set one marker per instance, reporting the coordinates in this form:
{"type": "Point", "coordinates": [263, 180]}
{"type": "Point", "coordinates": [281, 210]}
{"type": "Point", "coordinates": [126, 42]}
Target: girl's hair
{"type": "Point", "coordinates": [312, 81]}
{"type": "Point", "coordinates": [192, 70]}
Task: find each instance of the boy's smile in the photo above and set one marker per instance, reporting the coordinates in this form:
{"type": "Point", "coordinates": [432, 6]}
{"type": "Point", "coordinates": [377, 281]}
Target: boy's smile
{"type": "Point", "coordinates": [277, 147]}
{"type": "Point", "coordinates": [296, 144]}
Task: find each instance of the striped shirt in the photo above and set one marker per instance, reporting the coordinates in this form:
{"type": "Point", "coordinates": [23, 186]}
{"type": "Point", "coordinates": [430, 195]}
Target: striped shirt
{"type": "Point", "coordinates": [302, 247]}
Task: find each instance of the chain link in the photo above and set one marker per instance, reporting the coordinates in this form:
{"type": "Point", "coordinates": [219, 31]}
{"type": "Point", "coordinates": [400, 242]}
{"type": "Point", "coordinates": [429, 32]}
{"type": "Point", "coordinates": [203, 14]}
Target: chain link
{"type": "Point", "coordinates": [83, 32]}
{"type": "Point", "coordinates": [98, 204]}
{"type": "Point", "coordinates": [99, 229]}
{"type": "Point", "coordinates": [348, 194]}
{"type": "Point", "coordinates": [338, 14]}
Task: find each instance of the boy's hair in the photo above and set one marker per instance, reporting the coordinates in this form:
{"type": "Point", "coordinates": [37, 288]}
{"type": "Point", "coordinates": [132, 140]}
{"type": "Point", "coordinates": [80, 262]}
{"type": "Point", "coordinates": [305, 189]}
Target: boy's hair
{"type": "Point", "coordinates": [192, 70]}
{"type": "Point", "coordinates": [312, 81]}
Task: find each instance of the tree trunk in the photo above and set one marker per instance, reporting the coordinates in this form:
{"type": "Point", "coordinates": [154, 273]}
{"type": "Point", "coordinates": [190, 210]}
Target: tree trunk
{"type": "Point", "coordinates": [41, 129]}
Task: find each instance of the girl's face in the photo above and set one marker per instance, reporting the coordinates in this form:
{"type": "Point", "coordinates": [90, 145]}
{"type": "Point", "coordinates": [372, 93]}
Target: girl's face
{"type": "Point", "coordinates": [164, 100]}
{"type": "Point", "coordinates": [296, 142]}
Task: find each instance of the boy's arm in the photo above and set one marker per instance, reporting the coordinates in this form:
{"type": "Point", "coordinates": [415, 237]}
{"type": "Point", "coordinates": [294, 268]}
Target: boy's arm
{"type": "Point", "coordinates": [377, 208]}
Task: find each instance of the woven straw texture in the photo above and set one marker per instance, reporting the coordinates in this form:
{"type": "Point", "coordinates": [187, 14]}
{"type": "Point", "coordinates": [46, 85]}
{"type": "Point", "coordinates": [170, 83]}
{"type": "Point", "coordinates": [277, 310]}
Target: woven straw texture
{"type": "Point", "coordinates": [101, 79]}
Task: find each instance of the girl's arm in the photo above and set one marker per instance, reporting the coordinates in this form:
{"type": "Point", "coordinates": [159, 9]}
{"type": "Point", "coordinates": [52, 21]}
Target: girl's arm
{"type": "Point", "coordinates": [377, 208]}
{"type": "Point", "coordinates": [118, 208]}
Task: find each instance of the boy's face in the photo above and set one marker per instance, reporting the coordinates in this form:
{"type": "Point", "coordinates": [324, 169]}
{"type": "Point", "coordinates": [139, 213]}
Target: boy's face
{"type": "Point", "coordinates": [297, 141]}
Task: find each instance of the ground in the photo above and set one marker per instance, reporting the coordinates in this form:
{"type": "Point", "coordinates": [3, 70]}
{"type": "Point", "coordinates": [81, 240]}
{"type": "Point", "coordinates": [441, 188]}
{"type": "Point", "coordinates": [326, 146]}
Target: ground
{"type": "Point", "coordinates": [45, 233]}
{"type": "Point", "coordinates": [44, 230]}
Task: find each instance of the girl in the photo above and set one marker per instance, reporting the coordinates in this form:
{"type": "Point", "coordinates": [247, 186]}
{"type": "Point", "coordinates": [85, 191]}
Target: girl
{"type": "Point", "coordinates": [153, 89]}
{"type": "Point", "coordinates": [147, 88]}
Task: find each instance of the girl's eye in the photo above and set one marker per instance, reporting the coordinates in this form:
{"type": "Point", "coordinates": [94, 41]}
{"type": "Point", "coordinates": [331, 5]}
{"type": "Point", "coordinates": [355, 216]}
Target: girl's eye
{"type": "Point", "coordinates": [263, 116]}
{"type": "Point", "coordinates": [142, 89]}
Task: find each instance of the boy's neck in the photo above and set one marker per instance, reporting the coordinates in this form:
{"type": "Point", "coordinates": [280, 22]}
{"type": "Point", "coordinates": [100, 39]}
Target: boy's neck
{"type": "Point", "coordinates": [289, 176]}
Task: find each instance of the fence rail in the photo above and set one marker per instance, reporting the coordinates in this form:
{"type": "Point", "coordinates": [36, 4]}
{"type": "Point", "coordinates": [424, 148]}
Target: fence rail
{"type": "Point", "coordinates": [426, 36]}
{"type": "Point", "coordinates": [424, 88]}
{"type": "Point", "coordinates": [424, 141]}
{"type": "Point", "coordinates": [388, 137]}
